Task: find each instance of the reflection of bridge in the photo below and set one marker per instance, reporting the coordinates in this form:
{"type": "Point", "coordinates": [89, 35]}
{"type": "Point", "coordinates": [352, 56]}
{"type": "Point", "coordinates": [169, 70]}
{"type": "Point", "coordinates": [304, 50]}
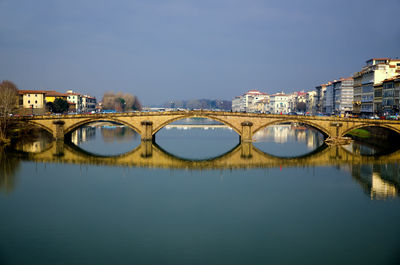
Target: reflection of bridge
{"type": "Point", "coordinates": [147, 124]}
{"type": "Point", "coordinates": [244, 155]}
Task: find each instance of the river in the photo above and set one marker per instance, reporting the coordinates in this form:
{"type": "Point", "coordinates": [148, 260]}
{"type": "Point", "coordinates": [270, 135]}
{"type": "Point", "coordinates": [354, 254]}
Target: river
{"type": "Point", "coordinates": [198, 197]}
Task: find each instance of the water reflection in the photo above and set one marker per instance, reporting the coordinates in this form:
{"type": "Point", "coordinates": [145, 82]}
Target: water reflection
{"type": "Point", "coordinates": [9, 166]}
{"type": "Point", "coordinates": [105, 138]}
{"type": "Point", "coordinates": [378, 181]}
{"type": "Point", "coordinates": [196, 139]}
{"type": "Point", "coordinates": [288, 140]}
{"type": "Point", "coordinates": [378, 174]}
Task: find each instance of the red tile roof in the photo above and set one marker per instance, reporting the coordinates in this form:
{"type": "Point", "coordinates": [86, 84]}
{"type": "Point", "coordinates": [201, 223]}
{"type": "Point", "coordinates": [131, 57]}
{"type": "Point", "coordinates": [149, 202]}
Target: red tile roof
{"type": "Point", "coordinates": [23, 92]}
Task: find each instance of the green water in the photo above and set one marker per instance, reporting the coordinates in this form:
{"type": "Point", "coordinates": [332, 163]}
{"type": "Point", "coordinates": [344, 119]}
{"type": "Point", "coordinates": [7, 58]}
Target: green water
{"type": "Point", "coordinates": [65, 212]}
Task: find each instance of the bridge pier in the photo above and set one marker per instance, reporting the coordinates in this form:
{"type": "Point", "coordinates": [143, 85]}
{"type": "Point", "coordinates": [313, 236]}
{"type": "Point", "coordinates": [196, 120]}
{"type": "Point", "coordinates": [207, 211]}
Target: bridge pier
{"type": "Point", "coordinates": [247, 147]}
{"type": "Point", "coordinates": [247, 135]}
{"type": "Point", "coordinates": [147, 132]}
{"type": "Point", "coordinates": [147, 149]}
{"type": "Point", "coordinates": [335, 137]}
{"type": "Point", "coordinates": [58, 133]}
{"type": "Point", "coordinates": [59, 150]}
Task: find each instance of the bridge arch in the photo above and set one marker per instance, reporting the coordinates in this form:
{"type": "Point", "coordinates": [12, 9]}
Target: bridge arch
{"type": "Point", "coordinates": [74, 126]}
{"type": "Point", "coordinates": [319, 128]}
{"type": "Point", "coordinates": [165, 123]}
{"type": "Point", "coordinates": [363, 125]}
{"type": "Point", "coordinates": [37, 124]}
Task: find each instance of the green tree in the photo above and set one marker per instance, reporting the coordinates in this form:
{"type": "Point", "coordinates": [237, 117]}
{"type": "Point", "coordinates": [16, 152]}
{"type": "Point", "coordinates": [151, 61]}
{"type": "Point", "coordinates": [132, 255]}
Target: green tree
{"type": "Point", "coordinates": [60, 105]}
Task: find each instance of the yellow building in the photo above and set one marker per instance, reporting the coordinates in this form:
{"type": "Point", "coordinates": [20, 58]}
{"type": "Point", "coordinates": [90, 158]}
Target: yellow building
{"type": "Point", "coordinates": [53, 95]}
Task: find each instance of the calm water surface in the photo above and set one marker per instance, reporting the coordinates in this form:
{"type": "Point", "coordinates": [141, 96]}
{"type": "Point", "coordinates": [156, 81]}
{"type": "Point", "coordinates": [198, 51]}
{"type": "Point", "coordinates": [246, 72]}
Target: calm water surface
{"type": "Point", "coordinates": [100, 201]}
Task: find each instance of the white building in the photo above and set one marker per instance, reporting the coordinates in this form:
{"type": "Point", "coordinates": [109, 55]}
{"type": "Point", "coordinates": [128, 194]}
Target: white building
{"type": "Point", "coordinates": [88, 103]}
{"type": "Point", "coordinates": [279, 103]}
{"type": "Point", "coordinates": [75, 99]}
{"type": "Point", "coordinates": [249, 102]}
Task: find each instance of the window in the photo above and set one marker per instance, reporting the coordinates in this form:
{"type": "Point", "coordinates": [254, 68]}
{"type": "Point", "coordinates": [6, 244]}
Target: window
{"type": "Point", "coordinates": [35, 95]}
{"type": "Point", "coordinates": [35, 101]}
{"type": "Point", "coordinates": [29, 101]}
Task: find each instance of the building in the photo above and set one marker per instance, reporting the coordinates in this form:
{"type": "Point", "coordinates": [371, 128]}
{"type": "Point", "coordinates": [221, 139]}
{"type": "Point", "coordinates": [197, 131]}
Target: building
{"type": "Point", "coordinates": [343, 96]}
{"type": "Point", "coordinates": [374, 72]}
{"type": "Point", "coordinates": [390, 95]}
{"type": "Point", "coordinates": [32, 99]}
{"type": "Point", "coordinates": [311, 102]}
{"type": "Point", "coordinates": [88, 103]}
{"type": "Point", "coordinates": [75, 100]}
{"type": "Point", "coordinates": [329, 97]}
{"type": "Point", "coordinates": [249, 102]}
{"type": "Point", "coordinates": [357, 86]}
{"type": "Point", "coordinates": [294, 100]}
{"type": "Point", "coordinates": [51, 96]}
{"type": "Point", "coordinates": [237, 105]}
{"type": "Point", "coordinates": [279, 103]}
{"type": "Point", "coordinates": [320, 98]}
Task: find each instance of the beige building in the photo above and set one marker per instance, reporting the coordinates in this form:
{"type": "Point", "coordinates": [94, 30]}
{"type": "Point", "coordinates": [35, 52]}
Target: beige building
{"type": "Point", "coordinates": [32, 101]}
{"type": "Point", "coordinates": [374, 72]}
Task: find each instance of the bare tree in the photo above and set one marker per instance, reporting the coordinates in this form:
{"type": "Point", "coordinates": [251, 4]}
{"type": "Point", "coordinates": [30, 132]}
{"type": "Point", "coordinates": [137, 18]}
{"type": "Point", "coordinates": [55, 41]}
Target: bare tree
{"type": "Point", "coordinates": [8, 104]}
{"type": "Point", "coordinates": [120, 101]}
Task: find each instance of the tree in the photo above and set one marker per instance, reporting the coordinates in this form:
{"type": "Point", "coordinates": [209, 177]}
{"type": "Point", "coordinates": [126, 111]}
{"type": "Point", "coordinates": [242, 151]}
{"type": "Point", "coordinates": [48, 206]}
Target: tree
{"type": "Point", "coordinates": [301, 106]}
{"type": "Point", "coordinates": [120, 101]}
{"type": "Point", "coordinates": [8, 104]}
{"type": "Point", "coordinates": [58, 106]}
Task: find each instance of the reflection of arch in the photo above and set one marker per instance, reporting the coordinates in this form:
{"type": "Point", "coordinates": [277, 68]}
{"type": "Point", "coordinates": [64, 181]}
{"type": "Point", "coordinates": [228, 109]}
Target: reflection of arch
{"type": "Point", "coordinates": [47, 129]}
{"type": "Point", "coordinates": [234, 149]}
{"type": "Point", "coordinates": [303, 156]}
{"type": "Point", "coordinates": [298, 120]}
{"type": "Point", "coordinates": [94, 155]}
{"type": "Point", "coordinates": [108, 119]}
{"type": "Point", "coordinates": [162, 125]}
{"type": "Point", "coordinates": [379, 125]}
{"type": "Point", "coordinates": [244, 155]}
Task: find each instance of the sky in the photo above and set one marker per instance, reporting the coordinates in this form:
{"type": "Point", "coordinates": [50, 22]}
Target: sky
{"type": "Point", "coordinates": [162, 50]}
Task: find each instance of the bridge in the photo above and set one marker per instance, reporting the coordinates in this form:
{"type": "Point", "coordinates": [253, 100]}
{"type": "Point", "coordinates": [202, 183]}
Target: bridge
{"type": "Point", "coordinates": [147, 124]}
{"type": "Point", "coordinates": [243, 156]}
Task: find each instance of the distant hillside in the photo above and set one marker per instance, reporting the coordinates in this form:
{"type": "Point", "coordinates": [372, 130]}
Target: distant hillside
{"type": "Point", "coordinates": [199, 104]}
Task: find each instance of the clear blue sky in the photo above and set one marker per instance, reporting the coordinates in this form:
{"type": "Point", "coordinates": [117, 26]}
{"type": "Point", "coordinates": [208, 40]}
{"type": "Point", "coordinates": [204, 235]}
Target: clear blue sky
{"type": "Point", "coordinates": [170, 49]}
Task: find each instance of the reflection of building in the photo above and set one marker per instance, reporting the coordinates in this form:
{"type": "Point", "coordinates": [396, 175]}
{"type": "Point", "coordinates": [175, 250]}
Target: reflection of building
{"type": "Point", "coordinates": [83, 134]}
{"type": "Point", "coordinates": [35, 146]}
{"type": "Point", "coordinates": [284, 133]}
{"type": "Point", "coordinates": [379, 181]}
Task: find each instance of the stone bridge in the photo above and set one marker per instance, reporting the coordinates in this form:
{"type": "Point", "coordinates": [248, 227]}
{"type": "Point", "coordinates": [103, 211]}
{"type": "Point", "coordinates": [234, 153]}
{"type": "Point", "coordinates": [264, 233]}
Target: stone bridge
{"type": "Point", "coordinates": [147, 124]}
{"type": "Point", "coordinates": [243, 156]}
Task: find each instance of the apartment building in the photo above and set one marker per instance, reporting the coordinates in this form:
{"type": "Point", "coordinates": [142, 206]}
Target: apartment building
{"type": "Point", "coordinates": [374, 72]}
{"type": "Point", "coordinates": [390, 95]}
{"type": "Point", "coordinates": [320, 98]}
{"type": "Point", "coordinates": [343, 96]}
